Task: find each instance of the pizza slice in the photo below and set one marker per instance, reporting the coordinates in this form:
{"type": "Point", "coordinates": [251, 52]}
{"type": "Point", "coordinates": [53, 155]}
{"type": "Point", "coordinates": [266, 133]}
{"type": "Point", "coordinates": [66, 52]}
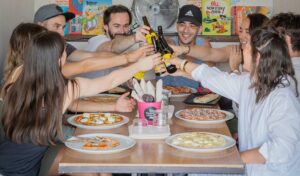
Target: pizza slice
{"type": "Point", "coordinates": [206, 98]}
{"type": "Point", "coordinates": [100, 143]}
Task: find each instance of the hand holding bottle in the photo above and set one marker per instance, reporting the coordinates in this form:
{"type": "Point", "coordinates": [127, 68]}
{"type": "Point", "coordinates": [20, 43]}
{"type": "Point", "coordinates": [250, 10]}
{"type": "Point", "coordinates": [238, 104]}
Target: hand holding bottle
{"type": "Point", "coordinates": [143, 51]}
{"type": "Point", "coordinates": [141, 33]}
{"type": "Point", "coordinates": [149, 62]}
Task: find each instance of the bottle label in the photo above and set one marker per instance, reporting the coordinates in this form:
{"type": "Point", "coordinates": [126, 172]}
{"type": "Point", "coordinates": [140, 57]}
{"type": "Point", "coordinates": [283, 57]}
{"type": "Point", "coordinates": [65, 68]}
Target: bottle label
{"type": "Point", "coordinates": [148, 38]}
{"type": "Point", "coordinates": [153, 34]}
{"type": "Point", "coordinates": [166, 58]}
{"type": "Point", "coordinates": [139, 75]}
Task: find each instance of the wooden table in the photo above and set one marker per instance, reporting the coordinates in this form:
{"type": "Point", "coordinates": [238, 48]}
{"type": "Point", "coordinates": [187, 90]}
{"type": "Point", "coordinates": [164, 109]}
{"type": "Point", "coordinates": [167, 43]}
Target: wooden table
{"type": "Point", "coordinates": [154, 156]}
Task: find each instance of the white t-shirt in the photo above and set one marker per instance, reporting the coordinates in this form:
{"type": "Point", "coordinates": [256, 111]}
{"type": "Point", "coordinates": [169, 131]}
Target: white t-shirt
{"type": "Point", "coordinates": [272, 125]}
{"type": "Point", "coordinates": [96, 41]}
{"type": "Point", "coordinates": [296, 64]}
{"type": "Point", "coordinates": [92, 46]}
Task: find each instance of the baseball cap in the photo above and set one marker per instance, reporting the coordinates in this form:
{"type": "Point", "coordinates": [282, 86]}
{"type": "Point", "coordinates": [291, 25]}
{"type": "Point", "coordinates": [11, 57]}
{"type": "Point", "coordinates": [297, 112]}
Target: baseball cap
{"type": "Point", "coordinates": [190, 13]}
{"type": "Point", "coordinates": [49, 11]}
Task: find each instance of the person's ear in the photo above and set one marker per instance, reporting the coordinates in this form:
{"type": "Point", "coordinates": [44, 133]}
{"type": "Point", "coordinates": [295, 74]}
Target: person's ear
{"type": "Point", "coordinates": [257, 58]}
{"type": "Point", "coordinates": [105, 28]}
{"type": "Point", "coordinates": [287, 39]}
{"type": "Point", "coordinates": [44, 24]}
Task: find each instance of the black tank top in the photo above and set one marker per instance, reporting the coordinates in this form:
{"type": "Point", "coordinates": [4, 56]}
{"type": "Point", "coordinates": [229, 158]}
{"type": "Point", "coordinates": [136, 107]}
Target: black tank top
{"type": "Point", "coordinates": [20, 159]}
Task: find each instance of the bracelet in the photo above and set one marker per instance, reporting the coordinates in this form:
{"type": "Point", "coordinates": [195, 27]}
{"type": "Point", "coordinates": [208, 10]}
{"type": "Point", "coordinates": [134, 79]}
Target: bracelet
{"type": "Point", "coordinates": [182, 64]}
{"type": "Point", "coordinates": [188, 51]}
{"type": "Point", "coordinates": [183, 68]}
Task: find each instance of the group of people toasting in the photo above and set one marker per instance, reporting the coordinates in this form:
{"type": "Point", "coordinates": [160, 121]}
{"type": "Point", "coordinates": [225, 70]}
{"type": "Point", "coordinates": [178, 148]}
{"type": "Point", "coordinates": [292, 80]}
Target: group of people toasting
{"type": "Point", "coordinates": [41, 83]}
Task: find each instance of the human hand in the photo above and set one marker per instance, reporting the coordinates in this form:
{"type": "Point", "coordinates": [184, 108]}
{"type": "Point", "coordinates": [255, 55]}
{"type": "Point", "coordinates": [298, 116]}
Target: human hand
{"type": "Point", "coordinates": [161, 69]}
{"type": "Point", "coordinates": [140, 34]}
{"type": "Point", "coordinates": [148, 62]}
{"type": "Point", "coordinates": [235, 57]}
{"type": "Point", "coordinates": [176, 61]}
{"type": "Point", "coordinates": [125, 104]}
{"type": "Point", "coordinates": [143, 51]}
{"type": "Point", "coordinates": [179, 50]}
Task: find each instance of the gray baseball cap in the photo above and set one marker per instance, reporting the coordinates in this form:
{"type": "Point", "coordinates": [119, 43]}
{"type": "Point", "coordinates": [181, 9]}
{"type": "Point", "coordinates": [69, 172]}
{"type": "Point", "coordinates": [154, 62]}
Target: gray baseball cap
{"type": "Point", "coordinates": [49, 11]}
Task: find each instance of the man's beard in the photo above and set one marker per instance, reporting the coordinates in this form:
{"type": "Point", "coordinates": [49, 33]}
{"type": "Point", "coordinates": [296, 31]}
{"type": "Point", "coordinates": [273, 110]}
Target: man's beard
{"type": "Point", "coordinates": [112, 36]}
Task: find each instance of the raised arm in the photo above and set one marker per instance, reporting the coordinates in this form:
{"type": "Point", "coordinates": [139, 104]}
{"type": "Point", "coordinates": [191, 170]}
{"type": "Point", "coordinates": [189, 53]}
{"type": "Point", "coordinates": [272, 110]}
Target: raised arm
{"type": "Point", "coordinates": [121, 43]}
{"type": "Point", "coordinates": [210, 77]}
{"type": "Point", "coordinates": [206, 53]}
{"type": "Point", "coordinates": [88, 87]}
{"type": "Point", "coordinates": [95, 63]}
{"type": "Point", "coordinates": [123, 104]}
{"type": "Point", "coordinates": [79, 55]}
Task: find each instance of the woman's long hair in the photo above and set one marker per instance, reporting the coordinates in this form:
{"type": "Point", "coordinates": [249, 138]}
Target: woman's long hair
{"type": "Point", "coordinates": [257, 20]}
{"type": "Point", "coordinates": [275, 66]}
{"type": "Point", "coordinates": [18, 40]}
{"type": "Point", "coordinates": [33, 105]}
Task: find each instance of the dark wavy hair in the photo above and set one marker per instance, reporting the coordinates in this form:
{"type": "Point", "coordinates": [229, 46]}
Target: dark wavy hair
{"type": "Point", "coordinates": [33, 105]}
{"type": "Point", "coordinates": [257, 20]}
{"type": "Point", "coordinates": [275, 66]}
{"type": "Point", "coordinates": [19, 39]}
{"type": "Point", "coordinates": [115, 9]}
{"type": "Point", "coordinates": [290, 22]}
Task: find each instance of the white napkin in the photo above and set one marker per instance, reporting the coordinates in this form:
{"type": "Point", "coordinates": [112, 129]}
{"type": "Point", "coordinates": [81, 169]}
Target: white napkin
{"type": "Point", "coordinates": [137, 88]}
{"type": "Point", "coordinates": [150, 89]}
{"type": "Point", "coordinates": [159, 89]}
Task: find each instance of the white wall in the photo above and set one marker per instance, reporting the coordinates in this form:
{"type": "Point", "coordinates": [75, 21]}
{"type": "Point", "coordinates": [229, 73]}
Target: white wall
{"type": "Point", "coordinates": [12, 12]}
{"type": "Point", "coordinates": [286, 6]}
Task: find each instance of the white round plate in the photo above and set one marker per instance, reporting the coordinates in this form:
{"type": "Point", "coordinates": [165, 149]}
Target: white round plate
{"type": "Point", "coordinates": [125, 143]}
{"type": "Point", "coordinates": [72, 121]}
{"type": "Point", "coordinates": [229, 116]}
{"type": "Point", "coordinates": [229, 143]}
{"type": "Point", "coordinates": [182, 94]}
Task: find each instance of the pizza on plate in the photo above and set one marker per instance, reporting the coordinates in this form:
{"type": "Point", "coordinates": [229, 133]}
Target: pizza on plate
{"type": "Point", "coordinates": [178, 90]}
{"type": "Point", "coordinates": [94, 119]}
{"type": "Point", "coordinates": [100, 143]}
{"type": "Point", "coordinates": [206, 98]}
{"type": "Point", "coordinates": [202, 114]}
{"type": "Point", "coordinates": [199, 140]}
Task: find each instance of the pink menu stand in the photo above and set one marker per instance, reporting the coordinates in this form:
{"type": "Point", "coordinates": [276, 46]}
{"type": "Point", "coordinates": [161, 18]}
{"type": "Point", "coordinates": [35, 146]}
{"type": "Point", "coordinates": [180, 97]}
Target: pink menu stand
{"type": "Point", "coordinates": [147, 111]}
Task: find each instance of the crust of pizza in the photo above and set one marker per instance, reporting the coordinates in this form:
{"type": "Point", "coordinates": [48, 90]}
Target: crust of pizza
{"type": "Point", "coordinates": [206, 98]}
{"type": "Point", "coordinates": [97, 119]}
{"type": "Point", "coordinates": [117, 90]}
{"type": "Point", "coordinates": [178, 90]}
{"type": "Point", "coordinates": [102, 99]}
